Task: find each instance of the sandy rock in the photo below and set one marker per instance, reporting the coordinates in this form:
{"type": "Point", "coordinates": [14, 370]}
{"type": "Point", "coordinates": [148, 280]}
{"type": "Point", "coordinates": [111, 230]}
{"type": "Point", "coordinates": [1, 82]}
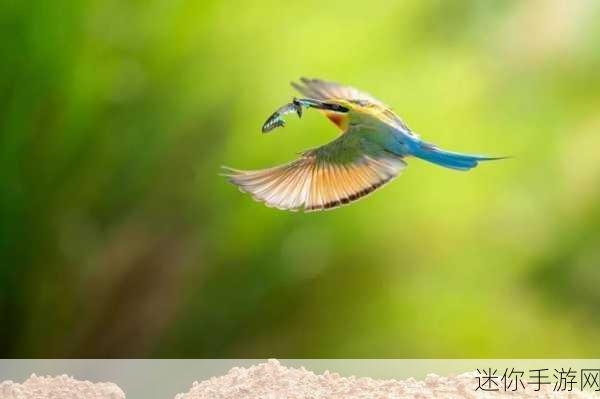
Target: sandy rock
{"type": "Point", "coordinates": [60, 387]}
{"type": "Point", "coordinates": [271, 380]}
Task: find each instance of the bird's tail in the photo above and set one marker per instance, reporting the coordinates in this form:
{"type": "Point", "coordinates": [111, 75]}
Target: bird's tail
{"type": "Point", "coordinates": [448, 159]}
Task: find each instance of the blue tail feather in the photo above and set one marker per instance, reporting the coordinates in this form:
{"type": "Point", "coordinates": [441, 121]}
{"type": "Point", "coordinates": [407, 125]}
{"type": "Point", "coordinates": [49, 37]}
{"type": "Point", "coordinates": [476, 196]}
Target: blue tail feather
{"type": "Point", "coordinates": [448, 159]}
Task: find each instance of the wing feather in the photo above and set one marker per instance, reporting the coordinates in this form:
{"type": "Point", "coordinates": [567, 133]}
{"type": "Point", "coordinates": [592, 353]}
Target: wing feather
{"type": "Point", "coordinates": [327, 177]}
{"type": "Point", "coordinates": [323, 90]}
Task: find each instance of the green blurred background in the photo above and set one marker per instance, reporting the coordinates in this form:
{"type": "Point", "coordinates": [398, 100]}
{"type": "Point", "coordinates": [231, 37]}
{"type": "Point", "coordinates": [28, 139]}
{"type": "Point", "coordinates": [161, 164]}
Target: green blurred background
{"type": "Point", "coordinates": [119, 239]}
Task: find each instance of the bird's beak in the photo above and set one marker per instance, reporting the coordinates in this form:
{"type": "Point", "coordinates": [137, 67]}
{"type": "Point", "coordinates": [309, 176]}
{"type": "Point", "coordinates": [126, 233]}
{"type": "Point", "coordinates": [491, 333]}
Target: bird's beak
{"type": "Point", "coordinates": [310, 103]}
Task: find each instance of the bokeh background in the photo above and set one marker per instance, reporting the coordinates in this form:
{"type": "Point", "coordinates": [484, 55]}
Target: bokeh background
{"type": "Point", "coordinates": [119, 239]}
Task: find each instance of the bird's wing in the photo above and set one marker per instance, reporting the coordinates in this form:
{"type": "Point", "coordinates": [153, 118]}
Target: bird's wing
{"type": "Point", "coordinates": [340, 172]}
{"type": "Point", "coordinates": [323, 90]}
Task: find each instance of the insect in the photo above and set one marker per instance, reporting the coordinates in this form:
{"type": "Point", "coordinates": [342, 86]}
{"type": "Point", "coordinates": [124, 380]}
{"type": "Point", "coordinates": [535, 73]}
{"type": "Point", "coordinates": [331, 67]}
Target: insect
{"type": "Point", "coordinates": [276, 119]}
{"type": "Point", "coordinates": [370, 152]}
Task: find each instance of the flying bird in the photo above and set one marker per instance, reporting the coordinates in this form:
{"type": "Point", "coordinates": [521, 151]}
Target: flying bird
{"type": "Point", "coordinates": [370, 151]}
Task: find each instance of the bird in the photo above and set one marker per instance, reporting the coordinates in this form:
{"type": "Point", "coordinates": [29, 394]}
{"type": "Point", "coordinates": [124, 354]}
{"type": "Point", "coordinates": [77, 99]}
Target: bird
{"type": "Point", "coordinates": [371, 151]}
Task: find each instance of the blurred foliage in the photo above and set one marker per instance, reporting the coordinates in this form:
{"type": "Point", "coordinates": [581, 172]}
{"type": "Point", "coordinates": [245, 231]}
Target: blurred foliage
{"type": "Point", "coordinates": [118, 238]}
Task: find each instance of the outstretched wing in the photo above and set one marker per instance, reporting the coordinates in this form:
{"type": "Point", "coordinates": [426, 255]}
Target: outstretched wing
{"type": "Point", "coordinates": [340, 172]}
{"type": "Point", "coordinates": [323, 90]}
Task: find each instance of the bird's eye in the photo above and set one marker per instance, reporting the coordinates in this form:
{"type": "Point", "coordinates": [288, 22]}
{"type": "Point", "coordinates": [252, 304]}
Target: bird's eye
{"type": "Point", "coordinates": [334, 107]}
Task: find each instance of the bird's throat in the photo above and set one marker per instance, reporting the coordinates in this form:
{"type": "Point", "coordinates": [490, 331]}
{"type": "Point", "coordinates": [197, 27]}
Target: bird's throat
{"type": "Point", "coordinates": [340, 120]}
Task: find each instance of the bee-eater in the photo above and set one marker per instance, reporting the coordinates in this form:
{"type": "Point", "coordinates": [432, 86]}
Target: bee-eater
{"type": "Point", "coordinates": [370, 152]}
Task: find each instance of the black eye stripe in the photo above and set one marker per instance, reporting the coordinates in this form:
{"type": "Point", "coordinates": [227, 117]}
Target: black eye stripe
{"type": "Point", "coordinates": [339, 108]}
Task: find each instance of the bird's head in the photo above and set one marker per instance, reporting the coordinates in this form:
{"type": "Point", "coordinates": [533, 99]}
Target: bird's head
{"type": "Point", "coordinates": [337, 111]}
{"type": "Point", "coordinates": [343, 112]}
{"type": "Point", "coordinates": [341, 105]}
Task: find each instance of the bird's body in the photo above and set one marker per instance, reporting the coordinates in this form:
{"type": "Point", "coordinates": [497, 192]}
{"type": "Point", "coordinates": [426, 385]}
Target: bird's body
{"type": "Point", "coordinates": [369, 153]}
